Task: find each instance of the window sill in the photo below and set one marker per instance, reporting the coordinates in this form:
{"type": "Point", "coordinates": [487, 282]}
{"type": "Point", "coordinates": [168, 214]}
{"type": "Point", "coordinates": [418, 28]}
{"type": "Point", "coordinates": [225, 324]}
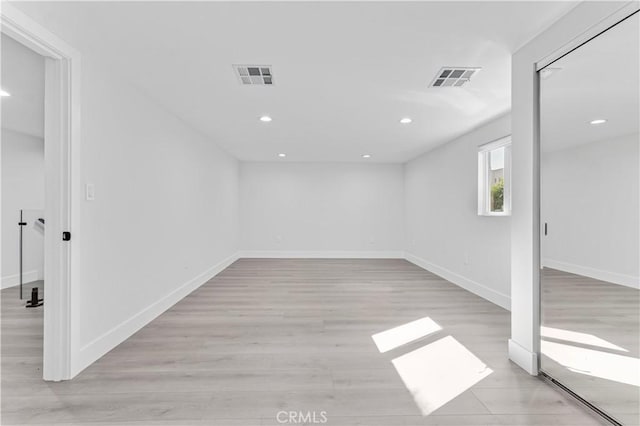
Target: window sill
{"type": "Point", "coordinates": [495, 214]}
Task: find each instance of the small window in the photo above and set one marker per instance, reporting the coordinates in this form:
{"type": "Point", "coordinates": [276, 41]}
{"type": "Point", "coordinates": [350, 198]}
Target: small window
{"type": "Point", "coordinates": [494, 178]}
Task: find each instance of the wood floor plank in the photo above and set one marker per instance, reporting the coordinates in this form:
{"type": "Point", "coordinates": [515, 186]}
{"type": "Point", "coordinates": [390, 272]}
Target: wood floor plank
{"type": "Point", "coordinates": [594, 318]}
{"type": "Point", "coordinates": [267, 335]}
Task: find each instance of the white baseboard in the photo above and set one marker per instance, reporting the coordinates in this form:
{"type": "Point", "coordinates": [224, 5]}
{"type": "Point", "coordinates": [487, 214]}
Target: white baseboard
{"type": "Point", "coordinates": [14, 280]}
{"type": "Point", "coordinates": [598, 274]}
{"type": "Point", "coordinates": [474, 287]}
{"type": "Point", "coordinates": [92, 351]}
{"type": "Point", "coordinates": [526, 359]}
{"type": "Point", "coordinates": [321, 254]}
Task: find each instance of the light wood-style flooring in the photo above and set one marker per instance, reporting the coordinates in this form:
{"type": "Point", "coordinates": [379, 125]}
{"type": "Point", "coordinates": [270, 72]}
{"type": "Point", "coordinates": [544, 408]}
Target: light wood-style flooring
{"type": "Point", "coordinates": [271, 335]}
{"type": "Point", "coordinates": [595, 340]}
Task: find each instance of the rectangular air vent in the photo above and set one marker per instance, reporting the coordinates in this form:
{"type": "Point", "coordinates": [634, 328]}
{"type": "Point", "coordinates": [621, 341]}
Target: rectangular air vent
{"type": "Point", "coordinates": [254, 74]}
{"type": "Point", "coordinates": [453, 76]}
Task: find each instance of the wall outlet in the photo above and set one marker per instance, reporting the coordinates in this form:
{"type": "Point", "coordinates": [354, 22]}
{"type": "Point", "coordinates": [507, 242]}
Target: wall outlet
{"type": "Point", "coordinates": [90, 192]}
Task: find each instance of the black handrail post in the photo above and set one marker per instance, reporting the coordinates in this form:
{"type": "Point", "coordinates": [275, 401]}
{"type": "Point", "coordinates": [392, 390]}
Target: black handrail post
{"type": "Point", "coordinates": [21, 224]}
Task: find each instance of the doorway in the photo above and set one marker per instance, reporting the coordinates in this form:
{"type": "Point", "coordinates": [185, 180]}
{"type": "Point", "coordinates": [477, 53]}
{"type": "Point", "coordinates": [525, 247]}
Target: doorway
{"type": "Point", "coordinates": [61, 133]}
{"type": "Point", "coordinates": [22, 173]}
{"type": "Point", "coordinates": [23, 198]}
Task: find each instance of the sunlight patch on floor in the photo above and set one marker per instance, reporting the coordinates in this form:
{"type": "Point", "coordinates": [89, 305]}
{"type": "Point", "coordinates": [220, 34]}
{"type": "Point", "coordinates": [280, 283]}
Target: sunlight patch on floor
{"type": "Point", "coordinates": [605, 365]}
{"type": "Point", "coordinates": [438, 372]}
{"type": "Point", "coordinates": [406, 333]}
{"type": "Point", "coordinates": [576, 337]}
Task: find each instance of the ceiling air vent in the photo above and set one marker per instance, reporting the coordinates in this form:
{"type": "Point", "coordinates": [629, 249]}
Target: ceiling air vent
{"type": "Point", "coordinates": [453, 76]}
{"type": "Point", "coordinates": [259, 75]}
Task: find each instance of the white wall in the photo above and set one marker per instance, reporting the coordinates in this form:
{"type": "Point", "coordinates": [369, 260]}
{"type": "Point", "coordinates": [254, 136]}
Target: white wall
{"type": "Point", "coordinates": [444, 232]}
{"type": "Point", "coordinates": [164, 219]}
{"type": "Point", "coordinates": [524, 342]}
{"type": "Point", "coordinates": [321, 209]}
{"type": "Point", "coordinates": [22, 188]}
{"type": "Point", "coordinates": [593, 186]}
{"type": "Point", "coordinates": [165, 215]}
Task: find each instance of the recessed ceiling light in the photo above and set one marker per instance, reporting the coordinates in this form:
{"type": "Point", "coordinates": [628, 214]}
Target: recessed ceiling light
{"type": "Point", "coordinates": [265, 119]}
{"type": "Point", "coordinates": [4, 94]}
{"type": "Point", "coordinates": [281, 155]}
{"type": "Point", "coordinates": [366, 155]}
{"type": "Point", "coordinates": [598, 121]}
{"type": "Point", "coordinates": [405, 120]}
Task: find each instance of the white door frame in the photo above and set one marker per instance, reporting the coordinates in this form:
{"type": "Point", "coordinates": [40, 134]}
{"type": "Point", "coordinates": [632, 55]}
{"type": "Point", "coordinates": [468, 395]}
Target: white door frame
{"type": "Point", "coordinates": [606, 23]}
{"type": "Point", "coordinates": [62, 140]}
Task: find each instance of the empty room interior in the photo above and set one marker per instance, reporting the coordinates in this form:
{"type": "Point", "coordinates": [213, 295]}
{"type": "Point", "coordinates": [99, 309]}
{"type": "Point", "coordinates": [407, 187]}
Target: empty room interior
{"type": "Point", "coordinates": [343, 213]}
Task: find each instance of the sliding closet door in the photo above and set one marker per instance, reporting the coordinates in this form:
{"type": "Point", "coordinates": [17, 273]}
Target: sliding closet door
{"type": "Point", "coordinates": [590, 191]}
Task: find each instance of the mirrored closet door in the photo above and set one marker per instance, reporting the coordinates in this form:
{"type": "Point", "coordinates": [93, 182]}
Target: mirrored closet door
{"type": "Point", "coordinates": [590, 222]}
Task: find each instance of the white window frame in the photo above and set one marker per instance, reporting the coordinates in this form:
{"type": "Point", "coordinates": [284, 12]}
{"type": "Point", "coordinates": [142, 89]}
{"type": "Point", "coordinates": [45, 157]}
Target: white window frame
{"type": "Point", "coordinates": [484, 200]}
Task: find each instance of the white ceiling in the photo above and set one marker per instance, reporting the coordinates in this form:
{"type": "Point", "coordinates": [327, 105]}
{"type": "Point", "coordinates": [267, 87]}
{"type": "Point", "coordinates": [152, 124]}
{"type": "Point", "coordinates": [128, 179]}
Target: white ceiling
{"type": "Point", "coordinates": [345, 73]}
{"type": "Point", "coordinates": [599, 80]}
{"type": "Point", "coordinates": [23, 77]}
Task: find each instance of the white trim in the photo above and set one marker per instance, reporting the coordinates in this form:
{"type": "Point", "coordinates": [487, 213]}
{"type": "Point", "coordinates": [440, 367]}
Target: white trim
{"type": "Point", "coordinates": [498, 143]}
{"type": "Point", "coordinates": [497, 214]}
{"type": "Point", "coordinates": [474, 287]}
{"type": "Point", "coordinates": [526, 359]}
{"type": "Point", "coordinates": [598, 274]}
{"type": "Point", "coordinates": [14, 280]}
{"type": "Point", "coordinates": [321, 254]}
{"type": "Point", "coordinates": [62, 163]}
{"type": "Point", "coordinates": [95, 349]}
{"type": "Point", "coordinates": [624, 12]}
